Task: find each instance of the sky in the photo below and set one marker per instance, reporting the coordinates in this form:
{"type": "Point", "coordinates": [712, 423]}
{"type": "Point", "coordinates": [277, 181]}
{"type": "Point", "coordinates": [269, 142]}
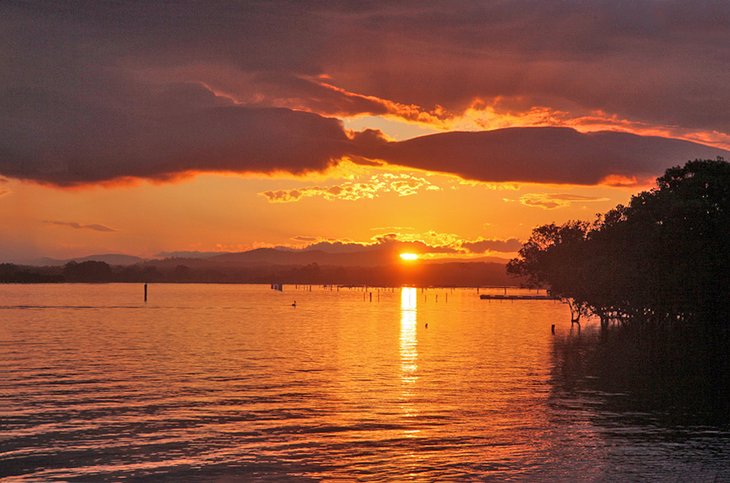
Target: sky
{"type": "Point", "coordinates": [141, 128]}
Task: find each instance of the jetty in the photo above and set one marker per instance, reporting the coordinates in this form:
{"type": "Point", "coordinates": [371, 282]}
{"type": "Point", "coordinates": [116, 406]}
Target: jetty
{"type": "Point", "coordinates": [517, 297]}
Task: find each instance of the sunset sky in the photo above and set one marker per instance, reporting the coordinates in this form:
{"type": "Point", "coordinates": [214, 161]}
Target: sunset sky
{"type": "Point", "coordinates": [128, 127]}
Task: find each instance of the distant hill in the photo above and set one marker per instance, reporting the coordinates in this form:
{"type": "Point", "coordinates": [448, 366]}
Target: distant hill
{"type": "Point", "coordinates": [278, 256]}
{"type": "Point", "coordinates": [366, 257]}
{"type": "Point", "coordinates": [374, 266]}
{"type": "Point", "coordinates": [369, 266]}
{"type": "Point", "coordinates": [189, 254]}
{"type": "Point", "coordinates": [110, 258]}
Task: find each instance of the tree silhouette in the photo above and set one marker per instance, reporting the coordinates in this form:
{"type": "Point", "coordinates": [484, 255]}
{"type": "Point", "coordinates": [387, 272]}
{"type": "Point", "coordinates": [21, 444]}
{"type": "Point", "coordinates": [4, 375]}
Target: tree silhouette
{"type": "Point", "coordinates": [91, 271]}
{"type": "Point", "coordinates": [662, 259]}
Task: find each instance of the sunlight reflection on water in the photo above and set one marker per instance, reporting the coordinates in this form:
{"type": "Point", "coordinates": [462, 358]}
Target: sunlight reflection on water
{"type": "Point", "coordinates": [408, 337]}
{"type": "Point", "coordinates": [218, 381]}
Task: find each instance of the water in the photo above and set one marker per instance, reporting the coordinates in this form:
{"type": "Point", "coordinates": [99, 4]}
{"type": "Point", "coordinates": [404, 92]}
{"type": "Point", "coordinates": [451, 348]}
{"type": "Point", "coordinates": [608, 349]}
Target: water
{"type": "Point", "coordinates": [230, 382]}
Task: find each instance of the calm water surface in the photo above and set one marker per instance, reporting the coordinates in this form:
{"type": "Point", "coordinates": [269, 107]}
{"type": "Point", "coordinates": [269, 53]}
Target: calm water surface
{"type": "Point", "coordinates": [231, 382]}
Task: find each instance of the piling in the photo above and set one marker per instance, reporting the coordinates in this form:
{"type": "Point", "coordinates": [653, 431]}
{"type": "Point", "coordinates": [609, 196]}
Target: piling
{"type": "Point", "coordinates": [145, 292]}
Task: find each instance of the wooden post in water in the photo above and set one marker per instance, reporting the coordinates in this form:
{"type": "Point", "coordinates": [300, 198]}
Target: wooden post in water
{"type": "Point", "coordinates": [371, 296]}
{"type": "Point", "coordinates": [145, 292]}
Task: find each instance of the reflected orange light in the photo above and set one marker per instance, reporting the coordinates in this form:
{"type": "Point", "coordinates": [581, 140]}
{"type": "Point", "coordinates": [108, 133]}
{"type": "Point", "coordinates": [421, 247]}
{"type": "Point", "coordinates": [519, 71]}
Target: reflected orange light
{"type": "Point", "coordinates": [409, 257]}
{"type": "Point", "coordinates": [408, 341]}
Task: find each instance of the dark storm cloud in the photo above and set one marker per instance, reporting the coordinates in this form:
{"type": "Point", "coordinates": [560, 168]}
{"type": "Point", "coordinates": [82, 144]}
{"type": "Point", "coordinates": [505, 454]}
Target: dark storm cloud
{"type": "Point", "coordinates": [93, 91]}
{"type": "Point", "coordinates": [548, 155]}
{"type": "Point", "coordinates": [656, 61]}
{"type": "Point", "coordinates": [185, 129]}
{"type": "Point", "coordinates": [662, 61]}
{"type": "Point", "coordinates": [181, 129]}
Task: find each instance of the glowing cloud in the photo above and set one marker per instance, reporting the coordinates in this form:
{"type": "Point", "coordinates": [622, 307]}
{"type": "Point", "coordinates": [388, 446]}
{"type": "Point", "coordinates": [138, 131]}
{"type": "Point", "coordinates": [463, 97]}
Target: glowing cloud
{"type": "Point", "coordinates": [399, 183]}
{"type": "Point", "coordinates": [429, 243]}
{"type": "Point", "coordinates": [551, 201]}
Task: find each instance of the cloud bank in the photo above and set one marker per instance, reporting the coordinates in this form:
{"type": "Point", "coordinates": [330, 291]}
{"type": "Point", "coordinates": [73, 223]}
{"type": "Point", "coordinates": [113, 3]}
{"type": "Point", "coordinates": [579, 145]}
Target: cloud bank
{"type": "Point", "coordinates": [83, 147]}
{"type": "Point", "coordinates": [96, 92]}
{"type": "Point", "coordinates": [659, 61]}
{"type": "Point", "coordinates": [94, 145]}
{"type": "Point", "coordinates": [546, 155]}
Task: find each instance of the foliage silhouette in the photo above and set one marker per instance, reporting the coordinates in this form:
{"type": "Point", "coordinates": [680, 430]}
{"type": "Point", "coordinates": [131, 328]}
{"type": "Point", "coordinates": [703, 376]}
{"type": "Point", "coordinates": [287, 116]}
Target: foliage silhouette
{"type": "Point", "coordinates": [91, 271]}
{"type": "Point", "coordinates": [452, 274]}
{"type": "Point", "coordinates": [662, 259]}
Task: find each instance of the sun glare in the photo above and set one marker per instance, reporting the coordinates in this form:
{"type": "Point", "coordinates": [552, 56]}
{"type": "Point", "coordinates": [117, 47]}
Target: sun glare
{"type": "Point", "coordinates": [409, 256]}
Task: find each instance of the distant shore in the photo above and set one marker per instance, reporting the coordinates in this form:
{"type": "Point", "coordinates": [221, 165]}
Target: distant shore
{"type": "Point", "coordinates": [452, 274]}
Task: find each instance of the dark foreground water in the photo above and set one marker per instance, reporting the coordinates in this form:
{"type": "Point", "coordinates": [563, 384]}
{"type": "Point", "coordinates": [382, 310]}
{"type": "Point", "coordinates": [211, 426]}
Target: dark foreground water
{"type": "Point", "coordinates": [229, 382]}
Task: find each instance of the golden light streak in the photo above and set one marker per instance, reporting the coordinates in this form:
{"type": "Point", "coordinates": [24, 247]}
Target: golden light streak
{"type": "Point", "coordinates": [408, 340]}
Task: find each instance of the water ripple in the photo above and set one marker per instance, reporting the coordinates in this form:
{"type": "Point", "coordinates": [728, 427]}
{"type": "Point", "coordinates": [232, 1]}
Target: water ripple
{"type": "Point", "coordinates": [229, 382]}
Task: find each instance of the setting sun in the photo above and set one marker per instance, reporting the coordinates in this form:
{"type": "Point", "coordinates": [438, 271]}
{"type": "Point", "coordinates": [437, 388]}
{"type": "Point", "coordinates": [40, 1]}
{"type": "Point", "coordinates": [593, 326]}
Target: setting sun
{"type": "Point", "coordinates": [409, 256]}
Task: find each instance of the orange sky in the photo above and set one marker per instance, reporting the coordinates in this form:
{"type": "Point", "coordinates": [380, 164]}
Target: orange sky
{"type": "Point", "coordinates": [212, 212]}
{"type": "Point", "coordinates": [141, 129]}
